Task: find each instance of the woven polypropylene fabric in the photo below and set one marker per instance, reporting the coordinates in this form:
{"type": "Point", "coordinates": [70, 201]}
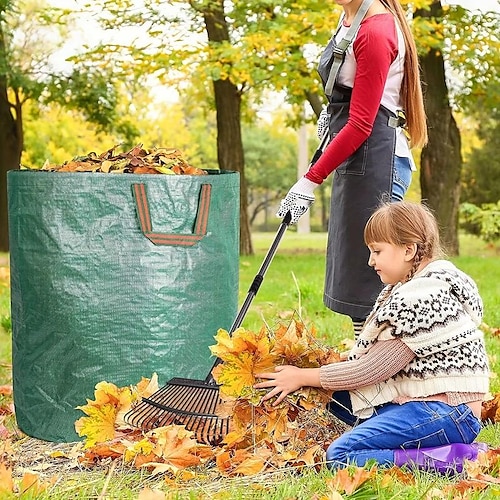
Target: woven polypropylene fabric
{"type": "Point", "coordinates": [93, 298]}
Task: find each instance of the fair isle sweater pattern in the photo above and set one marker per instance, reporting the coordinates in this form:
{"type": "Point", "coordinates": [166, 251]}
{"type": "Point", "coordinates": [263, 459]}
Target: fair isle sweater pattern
{"type": "Point", "coordinates": [436, 314]}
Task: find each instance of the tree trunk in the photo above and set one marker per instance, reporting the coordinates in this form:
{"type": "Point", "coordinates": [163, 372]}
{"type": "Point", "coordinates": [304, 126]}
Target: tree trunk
{"type": "Point", "coordinates": [11, 144]}
{"type": "Point", "coordinates": [228, 113]}
{"type": "Point", "coordinates": [441, 159]}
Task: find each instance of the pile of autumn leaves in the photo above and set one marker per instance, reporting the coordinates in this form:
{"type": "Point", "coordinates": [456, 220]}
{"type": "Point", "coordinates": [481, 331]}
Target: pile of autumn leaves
{"type": "Point", "coordinates": [138, 160]}
{"type": "Point", "coordinates": [262, 436]}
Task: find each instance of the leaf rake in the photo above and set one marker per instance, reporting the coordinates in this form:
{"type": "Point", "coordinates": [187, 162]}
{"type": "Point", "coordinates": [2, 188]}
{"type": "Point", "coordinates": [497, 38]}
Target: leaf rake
{"type": "Point", "coordinates": [193, 403]}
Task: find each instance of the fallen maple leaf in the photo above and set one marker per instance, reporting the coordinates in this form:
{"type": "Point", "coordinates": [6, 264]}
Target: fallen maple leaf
{"type": "Point", "coordinates": [177, 448]}
{"type": "Point", "coordinates": [32, 485]}
{"type": "Point", "coordinates": [311, 457]}
{"type": "Point", "coordinates": [491, 410]}
{"type": "Point", "coordinates": [101, 413]}
{"type": "Point", "coordinates": [242, 462]}
{"type": "Point", "coordinates": [109, 449]}
{"type": "Point", "coordinates": [348, 480]}
{"type": "Point", "coordinates": [99, 424]}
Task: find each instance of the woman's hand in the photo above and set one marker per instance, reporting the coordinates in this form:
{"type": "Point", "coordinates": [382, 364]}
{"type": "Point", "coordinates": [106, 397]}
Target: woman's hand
{"type": "Point", "coordinates": [285, 380]}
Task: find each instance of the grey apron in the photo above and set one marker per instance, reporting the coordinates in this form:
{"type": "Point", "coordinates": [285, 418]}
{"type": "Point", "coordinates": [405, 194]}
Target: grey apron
{"type": "Point", "coordinates": [360, 184]}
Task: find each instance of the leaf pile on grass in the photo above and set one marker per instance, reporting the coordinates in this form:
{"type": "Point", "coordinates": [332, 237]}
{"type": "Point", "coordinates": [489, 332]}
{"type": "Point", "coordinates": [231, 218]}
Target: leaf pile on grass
{"type": "Point", "coordinates": [262, 437]}
{"type": "Point", "coordinates": [138, 160]}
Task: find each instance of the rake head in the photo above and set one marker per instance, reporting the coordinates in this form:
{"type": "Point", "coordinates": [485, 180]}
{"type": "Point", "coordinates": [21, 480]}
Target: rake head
{"type": "Point", "coordinates": [187, 402]}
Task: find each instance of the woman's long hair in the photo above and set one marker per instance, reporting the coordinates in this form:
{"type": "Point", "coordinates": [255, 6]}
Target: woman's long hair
{"type": "Point", "coordinates": [413, 101]}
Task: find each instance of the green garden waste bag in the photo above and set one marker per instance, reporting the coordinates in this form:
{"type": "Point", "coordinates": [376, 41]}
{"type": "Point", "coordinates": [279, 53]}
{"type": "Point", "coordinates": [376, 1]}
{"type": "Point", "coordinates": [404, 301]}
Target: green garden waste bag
{"type": "Point", "coordinates": [115, 277]}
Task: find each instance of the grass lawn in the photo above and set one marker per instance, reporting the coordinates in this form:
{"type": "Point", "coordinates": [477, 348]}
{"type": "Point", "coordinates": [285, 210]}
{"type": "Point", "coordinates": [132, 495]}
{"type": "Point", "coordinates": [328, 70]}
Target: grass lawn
{"type": "Point", "coordinates": [293, 285]}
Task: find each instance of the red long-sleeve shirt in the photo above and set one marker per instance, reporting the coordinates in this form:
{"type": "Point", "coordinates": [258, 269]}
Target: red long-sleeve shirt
{"type": "Point", "coordinates": [371, 68]}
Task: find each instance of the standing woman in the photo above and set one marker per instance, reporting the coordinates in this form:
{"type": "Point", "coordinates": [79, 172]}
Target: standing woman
{"type": "Point", "coordinates": [376, 101]}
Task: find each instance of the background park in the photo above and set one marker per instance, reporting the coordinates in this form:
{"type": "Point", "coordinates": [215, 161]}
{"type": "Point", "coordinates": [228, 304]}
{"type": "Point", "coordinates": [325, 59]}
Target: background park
{"type": "Point", "coordinates": [233, 85]}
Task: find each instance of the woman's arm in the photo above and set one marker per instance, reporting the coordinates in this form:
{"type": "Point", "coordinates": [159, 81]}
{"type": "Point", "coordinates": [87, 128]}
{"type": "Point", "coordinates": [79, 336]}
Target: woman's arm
{"type": "Point", "coordinates": [375, 48]}
{"type": "Point", "coordinates": [382, 361]}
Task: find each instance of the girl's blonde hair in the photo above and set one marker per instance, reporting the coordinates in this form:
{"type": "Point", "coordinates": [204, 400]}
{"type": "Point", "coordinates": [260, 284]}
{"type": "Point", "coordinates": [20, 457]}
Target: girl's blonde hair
{"type": "Point", "coordinates": [405, 223]}
{"type": "Point", "coordinates": [413, 101]}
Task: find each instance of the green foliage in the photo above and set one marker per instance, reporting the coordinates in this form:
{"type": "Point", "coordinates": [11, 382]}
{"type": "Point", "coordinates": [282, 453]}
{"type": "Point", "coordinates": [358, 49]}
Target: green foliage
{"type": "Point", "coordinates": [482, 164]}
{"type": "Point", "coordinates": [483, 221]}
{"type": "Point", "coordinates": [273, 37]}
{"type": "Point", "coordinates": [270, 164]}
{"type": "Point", "coordinates": [473, 50]}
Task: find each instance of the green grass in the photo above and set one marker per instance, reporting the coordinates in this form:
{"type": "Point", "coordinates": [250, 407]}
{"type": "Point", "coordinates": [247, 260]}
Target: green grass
{"type": "Point", "coordinates": [293, 284]}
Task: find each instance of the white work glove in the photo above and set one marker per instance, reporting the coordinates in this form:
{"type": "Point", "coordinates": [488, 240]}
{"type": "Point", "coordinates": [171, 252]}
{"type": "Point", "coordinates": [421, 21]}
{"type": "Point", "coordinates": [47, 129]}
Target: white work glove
{"type": "Point", "coordinates": [298, 200]}
{"type": "Point", "coordinates": [323, 123]}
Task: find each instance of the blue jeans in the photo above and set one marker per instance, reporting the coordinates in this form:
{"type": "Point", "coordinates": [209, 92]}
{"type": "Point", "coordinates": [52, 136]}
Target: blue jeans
{"type": "Point", "coordinates": [401, 178]}
{"type": "Point", "coordinates": [416, 424]}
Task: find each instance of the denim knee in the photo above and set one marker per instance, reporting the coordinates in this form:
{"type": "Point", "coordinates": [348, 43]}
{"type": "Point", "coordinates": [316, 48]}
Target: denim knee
{"type": "Point", "coordinates": [335, 457]}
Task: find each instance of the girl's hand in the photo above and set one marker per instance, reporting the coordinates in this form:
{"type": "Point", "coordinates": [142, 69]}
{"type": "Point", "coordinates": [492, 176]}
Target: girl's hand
{"type": "Point", "coordinates": [286, 379]}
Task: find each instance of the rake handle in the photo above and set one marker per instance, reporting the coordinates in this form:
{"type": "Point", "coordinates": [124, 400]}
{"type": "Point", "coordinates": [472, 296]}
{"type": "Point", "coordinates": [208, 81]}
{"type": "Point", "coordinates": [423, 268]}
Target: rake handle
{"type": "Point", "coordinates": [254, 287]}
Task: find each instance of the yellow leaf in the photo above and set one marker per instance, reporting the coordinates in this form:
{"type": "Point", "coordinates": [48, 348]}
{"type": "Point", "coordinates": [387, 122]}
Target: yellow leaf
{"type": "Point", "coordinates": [146, 387]}
{"type": "Point", "coordinates": [245, 353]}
{"type": "Point", "coordinates": [99, 424]}
{"type": "Point", "coordinates": [142, 447]}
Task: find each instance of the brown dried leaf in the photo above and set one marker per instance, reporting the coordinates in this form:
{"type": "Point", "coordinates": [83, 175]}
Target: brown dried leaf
{"type": "Point", "coordinates": [348, 481]}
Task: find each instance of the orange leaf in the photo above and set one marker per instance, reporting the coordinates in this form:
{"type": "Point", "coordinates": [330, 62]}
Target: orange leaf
{"type": "Point", "coordinates": [348, 482]}
{"type": "Point", "coordinates": [176, 446]}
{"type": "Point", "coordinates": [6, 481]}
{"type": "Point", "coordinates": [242, 462]}
{"type": "Point", "coordinates": [311, 457]}
{"type": "Point", "coordinates": [31, 484]}
{"type": "Point", "coordinates": [491, 409]}
{"type": "Point", "coordinates": [6, 390]}
{"type": "Point", "coordinates": [100, 451]}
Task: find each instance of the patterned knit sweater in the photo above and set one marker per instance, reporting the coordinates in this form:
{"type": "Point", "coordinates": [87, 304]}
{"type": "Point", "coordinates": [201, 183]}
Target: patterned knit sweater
{"type": "Point", "coordinates": [436, 314]}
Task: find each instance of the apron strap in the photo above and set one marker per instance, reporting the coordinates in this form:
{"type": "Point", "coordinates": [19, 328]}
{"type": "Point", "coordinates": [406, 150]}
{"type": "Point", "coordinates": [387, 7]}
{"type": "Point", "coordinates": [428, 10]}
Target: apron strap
{"type": "Point", "coordinates": [340, 48]}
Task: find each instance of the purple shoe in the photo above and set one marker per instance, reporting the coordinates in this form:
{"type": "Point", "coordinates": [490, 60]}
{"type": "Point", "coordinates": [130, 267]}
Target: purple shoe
{"type": "Point", "coordinates": [448, 459]}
